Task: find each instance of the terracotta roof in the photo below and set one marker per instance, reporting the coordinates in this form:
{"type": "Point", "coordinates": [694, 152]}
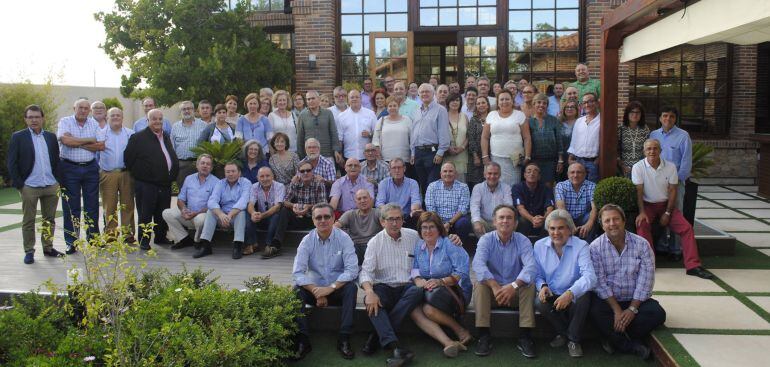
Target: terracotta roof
{"type": "Point", "coordinates": [565, 43]}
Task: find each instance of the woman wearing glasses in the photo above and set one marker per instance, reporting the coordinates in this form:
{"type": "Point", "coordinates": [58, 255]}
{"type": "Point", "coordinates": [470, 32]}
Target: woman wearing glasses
{"type": "Point", "coordinates": [631, 136]}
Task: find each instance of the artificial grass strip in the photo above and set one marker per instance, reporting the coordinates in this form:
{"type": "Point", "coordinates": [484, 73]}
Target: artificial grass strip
{"type": "Point", "coordinates": [675, 293]}
{"type": "Point", "coordinates": [681, 356]}
{"type": "Point", "coordinates": [9, 195]}
{"type": "Point", "coordinates": [719, 331]}
{"type": "Point", "coordinates": [743, 299]}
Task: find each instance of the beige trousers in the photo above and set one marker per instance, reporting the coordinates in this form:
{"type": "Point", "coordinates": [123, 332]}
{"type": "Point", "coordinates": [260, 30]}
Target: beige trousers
{"type": "Point", "coordinates": [178, 226]}
{"type": "Point", "coordinates": [484, 301]}
{"type": "Point", "coordinates": [117, 186]}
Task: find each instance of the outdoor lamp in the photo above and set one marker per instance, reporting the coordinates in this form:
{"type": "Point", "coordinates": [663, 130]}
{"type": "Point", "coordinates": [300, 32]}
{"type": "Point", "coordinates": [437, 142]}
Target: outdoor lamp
{"type": "Point", "coordinates": [311, 61]}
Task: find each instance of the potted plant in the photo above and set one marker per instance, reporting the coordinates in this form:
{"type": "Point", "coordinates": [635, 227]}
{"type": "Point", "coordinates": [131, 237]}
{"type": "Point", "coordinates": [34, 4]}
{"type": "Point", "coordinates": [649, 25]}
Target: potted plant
{"type": "Point", "coordinates": [701, 162]}
{"type": "Point", "coordinates": [222, 153]}
{"type": "Point", "coordinates": [621, 192]}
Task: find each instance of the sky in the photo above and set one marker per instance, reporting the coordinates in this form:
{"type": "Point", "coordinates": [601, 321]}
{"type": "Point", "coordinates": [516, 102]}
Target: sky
{"type": "Point", "coordinates": [56, 38]}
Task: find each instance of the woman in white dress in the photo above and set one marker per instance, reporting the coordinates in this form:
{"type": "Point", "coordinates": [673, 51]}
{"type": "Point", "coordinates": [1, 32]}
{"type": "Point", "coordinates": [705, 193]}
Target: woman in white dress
{"type": "Point", "coordinates": [282, 120]}
{"type": "Point", "coordinates": [392, 133]}
{"type": "Point", "coordinates": [505, 139]}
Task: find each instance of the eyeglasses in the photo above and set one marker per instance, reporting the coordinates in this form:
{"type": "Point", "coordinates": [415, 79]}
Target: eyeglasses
{"type": "Point", "coordinates": [570, 108]}
{"type": "Point", "coordinates": [394, 219]}
{"type": "Point", "coordinates": [530, 92]}
{"type": "Point", "coordinates": [305, 170]}
{"type": "Point", "coordinates": [370, 150]}
{"type": "Point", "coordinates": [315, 120]}
{"type": "Point", "coordinates": [322, 217]}
{"type": "Point", "coordinates": [428, 228]}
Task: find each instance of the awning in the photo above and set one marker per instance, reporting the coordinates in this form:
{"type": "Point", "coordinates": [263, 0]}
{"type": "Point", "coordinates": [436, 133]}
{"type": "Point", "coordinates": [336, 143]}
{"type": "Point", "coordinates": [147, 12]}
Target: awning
{"type": "Point", "coordinates": [742, 22]}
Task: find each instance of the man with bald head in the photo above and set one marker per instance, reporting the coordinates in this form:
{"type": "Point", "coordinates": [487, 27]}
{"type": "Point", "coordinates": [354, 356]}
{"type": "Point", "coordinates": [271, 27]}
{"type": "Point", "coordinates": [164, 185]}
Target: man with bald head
{"type": "Point", "coordinates": [356, 127]}
{"type": "Point", "coordinates": [149, 104]}
{"type": "Point", "coordinates": [264, 213]}
{"type": "Point", "coordinates": [79, 172]}
{"type": "Point", "coordinates": [152, 161]}
{"type": "Point", "coordinates": [406, 105]}
{"type": "Point", "coordinates": [114, 180]}
{"type": "Point", "coordinates": [361, 223]}
{"type": "Point", "coordinates": [344, 188]}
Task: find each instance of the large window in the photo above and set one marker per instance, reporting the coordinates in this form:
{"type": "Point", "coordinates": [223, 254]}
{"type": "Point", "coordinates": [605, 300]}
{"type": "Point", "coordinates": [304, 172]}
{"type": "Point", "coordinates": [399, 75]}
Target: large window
{"type": "Point", "coordinates": [543, 40]}
{"type": "Point", "coordinates": [694, 79]}
{"type": "Point", "coordinates": [480, 56]}
{"type": "Point", "coordinates": [357, 19]}
{"type": "Point", "coordinates": [435, 13]}
{"type": "Point", "coordinates": [267, 5]}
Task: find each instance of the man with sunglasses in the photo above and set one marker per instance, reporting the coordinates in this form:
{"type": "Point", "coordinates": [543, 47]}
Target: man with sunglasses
{"type": "Point", "coordinates": [584, 147]}
{"type": "Point", "coordinates": [301, 196]}
{"type": "Point", "coordinates": [324, 272]}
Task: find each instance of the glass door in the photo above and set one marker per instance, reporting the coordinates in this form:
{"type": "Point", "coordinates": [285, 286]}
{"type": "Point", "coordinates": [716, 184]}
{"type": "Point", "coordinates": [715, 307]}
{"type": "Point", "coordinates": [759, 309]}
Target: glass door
{"type": "Point", "coordinates": [391, 54]}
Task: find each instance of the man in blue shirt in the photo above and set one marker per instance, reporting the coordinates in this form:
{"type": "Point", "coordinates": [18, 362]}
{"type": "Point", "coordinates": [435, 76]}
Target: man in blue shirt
{"type": "Point", "coordinates": [149, 104]}
{"type": "Point", "coordinates": [191, 204]}
{"type": "Point", "coordinates": [33, 156]}
{"type": "Point", "coordinates": [114, 179]}
{"type": "Point", "coordinates": [401, 190]}
{"type": "Point", "coordinates": [324, 272]}
{"type": "Point", "coordinates": [430, 137]}
{"type": "Point", "coordinates": [450, 199]}
{"type": "Point", "coordinates": [505, 271]}
{"type": "Point", "coordinates": [576, 195]}
{"type": "Point", "coordinates": [554, 101]}
{"type": "Point", "coordinates": [227, 209]}
{"type": "Point", "coordinates": [565, 274]}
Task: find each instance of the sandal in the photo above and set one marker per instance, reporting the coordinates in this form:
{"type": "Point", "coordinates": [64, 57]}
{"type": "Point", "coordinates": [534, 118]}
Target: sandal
{"type": "Point", "coordinates": [452, 350]}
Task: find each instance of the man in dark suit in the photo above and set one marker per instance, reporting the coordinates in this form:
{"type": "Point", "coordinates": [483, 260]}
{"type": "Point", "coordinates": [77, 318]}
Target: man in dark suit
{"type": "Point", "coordinates": [33, 157]}
{"type": "Point", "coordinates": [153, 164]}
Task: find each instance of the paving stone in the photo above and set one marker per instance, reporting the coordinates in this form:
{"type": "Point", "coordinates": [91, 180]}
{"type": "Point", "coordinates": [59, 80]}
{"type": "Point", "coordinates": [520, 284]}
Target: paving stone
{"type": "Point", "coordinates": [698, 312]}
{"type": "Point", "coordinates": [718, 213]}
{"type": "Point", "coordinates": [705, 204]}
{"type": "Point", "coordinates": [726, 350]}
{"type": "Point", "coordinates": [728, 225]}
{"type": "Point", "coordinates": [724, 195]}
{"type": "Point", "coordinates": [712, 188]}
{"type": "Point", "coordinates": [9, 219]}
{"type": "Point", "coordinates": [765, 251]}
{"type": "Point", "coordinates": [676, 280]}
{"type": "Point", "coordinates": [748, 204]}
{"type": "Point", "coordinates": [749, 189]}
{"type": "Point", "coordinates": [753, 239]}
{"type": "Point", "coordinates": [759, 213]}
{"type": "Point", "coordinates": [745, 280]}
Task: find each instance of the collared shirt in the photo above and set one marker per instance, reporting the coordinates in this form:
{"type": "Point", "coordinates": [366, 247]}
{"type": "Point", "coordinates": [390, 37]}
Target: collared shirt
{"type": "Point", "coordinates": [504, 262]}
{"type": "Point", "coordinates": [336, 113]}
{"type": "Point", "coordinates": [196, 194]}
{"type": "Point", "coordinates": [345, 189]}
{"type": "Point", "coordinates": [227, 197]}
{"type": "Point", "coordinates": [655, 180]}
{"type": "Point", "coordinates": [263, 202]}
{"type": "Point", "coordinates": [88, 130]}
{"type": "Point", "coordinates": [590, 85]}
{"type": "Point", "coordinates": [585, 137]}
{"type": "Point", "coordinates": [322, 262]}
{"type": "Point", "coordinates": [519, 99]}
{"type": "Point", "coordinates": [389, 261]}
{"type": "Point", "coordinates": [554, 106]}
{"type": "Point", "coordinates": [447, 201]}
{"type": "Point", "coordinates": [468, 113]}
{"type": "Point", "coordinates": [324, 168]}
{"type": "Point", "coordinates": [366, 100]}
{"type": "Point", "coordinates": [350, 125]}
{"type": "Point", "coordinates": [676, 147]}
{"type": "Point", "coordinates": [572, 271]}
{"type": "Point", "coordinates": [310, 193]}
{"type": "Point", "coordinates": [406, 194]}
{"type": "Point", "coordinates": [577, 203]}
{"type": "Point", "coordinates": [379, 173]}
{"type": "Point", "coordinates": [42, 173]}
{"type": "Point", "coordinates": [430, 126]}
{"type": "Point", "coordinates": [536, 202]}
{"type": "Point", "coordinates": [251, 173]}
{"type": "Point", "coordinates": [163, 148]}
{"type": "Point", "coordinates": [626, 276]}
{"type": "Point", "coordinates": [446, 260]}
{"type": "Point", "coordinates": [184, 137]}
{"type": "Point", "coordinates": [142, 124]}
{"type": "Point", "coordinates": [260, 131]}
{"type": "Point", "coordinates": [111, 158]}
{"type": "Point", "coordinates": [409, 106]}
{"type": "Point", "coordinates": [484, 200]}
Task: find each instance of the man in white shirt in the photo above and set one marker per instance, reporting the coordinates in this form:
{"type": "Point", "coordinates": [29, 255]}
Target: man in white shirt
{"type": "Point", "coordinates": [340, 103]}
{"type": "Point", "coordinates": [355, 127]}
{"type": "Point", "coordinates": [483, 87]}
{"type": "Point", "coordinates": [584, 147]}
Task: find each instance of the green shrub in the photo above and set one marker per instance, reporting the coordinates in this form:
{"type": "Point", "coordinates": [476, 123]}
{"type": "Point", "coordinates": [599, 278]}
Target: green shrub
{"type": "Point", "coordinates": [616, 190]}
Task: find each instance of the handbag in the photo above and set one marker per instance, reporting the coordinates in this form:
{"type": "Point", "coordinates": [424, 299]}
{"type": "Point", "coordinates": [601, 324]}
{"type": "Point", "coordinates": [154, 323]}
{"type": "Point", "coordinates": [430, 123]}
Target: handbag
{"type": "Point", "coordinates": [454, 291]}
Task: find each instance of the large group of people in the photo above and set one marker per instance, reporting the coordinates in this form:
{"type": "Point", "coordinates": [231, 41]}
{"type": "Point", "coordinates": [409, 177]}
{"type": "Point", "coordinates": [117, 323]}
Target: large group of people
{"type": "Point", "coordinates": [394, 184]}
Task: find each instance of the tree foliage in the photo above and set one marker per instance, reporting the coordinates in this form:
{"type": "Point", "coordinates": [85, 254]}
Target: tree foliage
{"type": "Point", "coordinates": [190, 49]}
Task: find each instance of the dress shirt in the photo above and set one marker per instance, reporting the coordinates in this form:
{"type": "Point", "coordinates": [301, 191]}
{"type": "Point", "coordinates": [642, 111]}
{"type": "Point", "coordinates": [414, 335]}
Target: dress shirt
{"type": "Point", "coordinates": [585, 138]}
{"type": "Point", "coordinates": [626, 276]}
{"type": "Point", "coordinates": [336, 113]}
{"type": "Point", "coordinates": [142, 124]}
{"type": "Point", "coordinates": [430, 126]}
{"type": "Point", "coordinates": [111, 158]}
{"type": "Point", "coordinates": [519, 99]}
{"type": "Point", "coordinates": [446, 260]}
{"type": "Point", "coordinates": [574, 271]}
{"type": "Point", "coordinates": [184, 137]}
{"type": "Point", "coordinates": [88, 130]}
{"type": "Point", "coordinates": [380, 171]}
{"type": "Point", "coordinates": [324, 168]}
{"type": "Point", "coordinates": [345, 189]}
{"type": "Point", "coordinates": [310, 193]}
{"type": "Point", "coordinates": [350, 125]}
{"type": "Point", "coordinates": [655, 180]}
{"type": "Point", "coordinates": [577, 203]}
{"type": "Point", "coordinates": [389, 261]}
{"type": "Point", "coordinates": [676, 147]}
{"type": "Point", "coordinates": [447, 201]}
{"type": "Point", "coordinates": [406, 194]}
{"type": "Point", "coordinates": [227, 197]}
{"type": "Point", "coordinates": [536, 202]}
{"type": "Point", "coordinates": [275, 194]}
{"type": "Point", "coordinates": [468, 113]}
{"type": "Point", "coordinates": [366, 101]}
{"type": "Point", "coordinates": [196, 194]}
{"type": "Point", "coordinates": [484, 200]}
{"type": "Point", "coordinates": [260, 131]}
{"type": "Point", "coordinates": [504, 262]}
{"type": "Point", "coordinates": [554, 106]}
{"type": "Point", "coordinates": [408, 106]}
{"type": "Point", "coordinates": [42, 173]}
{"type": "Point", "coordinates": [323, 262]}
{"type": "Point", "coordinates": [169, 164]}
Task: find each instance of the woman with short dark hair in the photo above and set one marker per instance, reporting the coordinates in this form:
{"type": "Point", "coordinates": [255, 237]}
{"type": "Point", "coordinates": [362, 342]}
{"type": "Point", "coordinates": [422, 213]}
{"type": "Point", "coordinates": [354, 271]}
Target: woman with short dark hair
{"type": "Point", "coordinates": [631, 137]}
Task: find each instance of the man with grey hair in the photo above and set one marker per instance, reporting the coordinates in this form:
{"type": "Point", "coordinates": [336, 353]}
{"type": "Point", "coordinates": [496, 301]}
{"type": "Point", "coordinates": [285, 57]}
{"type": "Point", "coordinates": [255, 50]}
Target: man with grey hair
{"type": "Point", "coordinates": [323, 168]}
{"type": "Point", "coordinates": [184, 135]}
{"type": "Point", "coordinates": [430, 137]}
{"type": "Point", "coordinates": [483, 85]}
{"type": "Point", "coordinates": [114, 179]}
{"type": "Point", "coordinates": [340, 103]}
{"type": "Point", "coordinates": [355, 126]}
{"type": "Point", "coordinates": [361, 222]}
{"type": "Point", "coordinates": [191, 204]}
{"type": "Point", "coordinates": [99, 113]}
{"type": "Point", "coordinates": [316, 122]}
{"type": "Point", "coordinates": [149, 104]}
{"type": "Point", "coordinates": [565, 275]}
{"type": "Point", "coordinates": [486, 197]}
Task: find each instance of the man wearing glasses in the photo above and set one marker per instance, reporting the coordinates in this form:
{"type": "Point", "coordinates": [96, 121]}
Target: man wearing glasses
{"type": "Point", "coordinates": [301, 196]}
{"type": "Point", "coordinates": [584, 147]}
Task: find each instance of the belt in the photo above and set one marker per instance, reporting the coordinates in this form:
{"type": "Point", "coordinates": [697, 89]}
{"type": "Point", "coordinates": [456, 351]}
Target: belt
{"type": "Point", "coordinates": [82, 164]}
{"type": "Point", "coordinates": [187, 160]}
{"type": "Point", "coordinates": [115, 170]}
{"type": "Point", "coordinates": [427, 147]}
{"type": "Point", "coordinates": [586, 158]}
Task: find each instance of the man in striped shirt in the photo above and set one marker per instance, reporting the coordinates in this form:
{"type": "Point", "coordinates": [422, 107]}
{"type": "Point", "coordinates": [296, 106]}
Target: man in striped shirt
{"type": "Point", "coordinates": [184, 135]}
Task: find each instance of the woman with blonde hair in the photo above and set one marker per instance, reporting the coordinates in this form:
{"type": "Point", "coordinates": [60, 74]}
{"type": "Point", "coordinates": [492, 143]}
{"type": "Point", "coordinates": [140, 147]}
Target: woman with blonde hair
{"type": "Point", "coordinates": [254, 125]}
{"type": "Point", "coordinates": [392, 133]}
{"type": "Point", "coordinates": [282, 119]}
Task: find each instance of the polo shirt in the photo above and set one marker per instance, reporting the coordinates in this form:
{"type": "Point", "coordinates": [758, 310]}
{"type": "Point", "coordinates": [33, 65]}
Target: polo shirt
{"type": "Point", "coordinates": [655, 180]}
{"type": "Point", "coordinates": [537, 201]}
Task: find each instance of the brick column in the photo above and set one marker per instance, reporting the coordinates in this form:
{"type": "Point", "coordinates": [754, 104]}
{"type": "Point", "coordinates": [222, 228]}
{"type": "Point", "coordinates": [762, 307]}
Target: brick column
{"type": "Point", "coordinates": [315, 26]}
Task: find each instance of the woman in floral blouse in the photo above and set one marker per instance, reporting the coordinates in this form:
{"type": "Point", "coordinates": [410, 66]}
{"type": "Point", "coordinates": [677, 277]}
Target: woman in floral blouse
{"type": "Point", "coordinates": [631, 137]}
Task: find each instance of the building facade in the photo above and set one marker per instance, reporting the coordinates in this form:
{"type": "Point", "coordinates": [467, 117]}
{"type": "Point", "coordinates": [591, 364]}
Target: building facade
{"type": "Point", "coordinates": [341, 42]}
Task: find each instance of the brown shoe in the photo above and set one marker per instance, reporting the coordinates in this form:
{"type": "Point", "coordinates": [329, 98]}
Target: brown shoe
{"type": "Point", "coordinates": [248, 250]}
{"type": "Point", "coordinates": [270, 252]}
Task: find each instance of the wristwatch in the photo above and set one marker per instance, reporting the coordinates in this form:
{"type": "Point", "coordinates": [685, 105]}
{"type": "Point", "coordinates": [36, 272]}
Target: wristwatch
{"type": "Point", "coordinates": [334, 285]}
{"type": "Point", "coordinates": [633, 309]}
{"type": "Point", "coordinates": [514, 285]}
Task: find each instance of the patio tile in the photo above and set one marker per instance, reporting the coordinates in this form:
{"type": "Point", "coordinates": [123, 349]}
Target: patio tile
{"type": "Point", "coordinates": [705, 204]}
{"type": "Point", "coordinates": [738, 224]}
{"type": "Point", "coordinates": [753, 239]}
{"type": "Point", "coordinates": [675, 280]}
{"type": "Point", "coordinates": [725, 195]}
{"type": "Point", "coordinates": [725, 350]}
{"type": "Point", "coordinates": [761, 301]}
{"type": "Point", "coordinates": [698, 312]}
{"type": "Point", "coordinates": [745, 280]}
{"type": "Point", "coordinates": [712, 188]}
{"type": "Point", "coordinates": [759, 213]}
{"type": "Point", "coordinates": [765, 251]}
{"type": "Point", "coordinates": [747, 204]}
{"type": "Point", "coordinates": [746, 189]}
{"type": "Point", "coordinates": [718, 213]}
{"type": "Point", "coordinates": [9, 219]}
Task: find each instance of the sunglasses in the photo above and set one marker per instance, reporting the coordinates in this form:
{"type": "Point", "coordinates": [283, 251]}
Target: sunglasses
{"type": "Point", "coordinates": [322, 217]}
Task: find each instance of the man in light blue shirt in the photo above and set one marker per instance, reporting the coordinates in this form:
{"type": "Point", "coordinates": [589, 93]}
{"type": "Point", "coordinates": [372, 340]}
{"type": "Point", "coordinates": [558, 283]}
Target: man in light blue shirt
{"type": "Point", "coordinates": [114, 180]}
{"type": "Point", "coordinates": [149, 104]}
{"type": "Point", "coordinates": [406, 105]}
{"type": "Point", "coordinates": [486, 197]}
{"type": "Point", "coordinates": [191, 204]}
{"type": "Point", "coordinates": [324, 272]}
{"type": "Point", "coordinates": [227, 209]}
{"type": "Point", "coordinates": [430, 137]}
{"type": "Point", "coordinates": [554, 101]}
{"type": "Point", "coordinates": [401, 190]}
{"type": "Point", "coordinates": [184, 135]}
{"type": "Point", "coordinates": [565, 274]}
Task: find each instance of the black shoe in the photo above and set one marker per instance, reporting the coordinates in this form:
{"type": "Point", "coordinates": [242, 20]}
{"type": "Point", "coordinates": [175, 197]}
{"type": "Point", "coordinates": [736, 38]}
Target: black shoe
{"type": "Point", "coordinates": [401, 356]}
{"type": "Point", "coordinates": [162, 240]}
{"type": "Point", "coordinates": [345, 349]}
{"type": "Point", "coordinates": [145, 245]}
{"type": "Point", "coordinates": [675, 257]}
{"type": "Point", "coordinates": [372, 344]}
{"type": "Point", "coordinates": [527, 347]}
{"type": "Point", "coordinates": [70, 250]}
{"type": "Point", "coordinates": [53, 253]}
{"type": "Point", "coordinates": [700, 272]}
{"type": "Point", "coordinates": [484, 346]}
{"type": "Point", "coordinates": [641, 350]}
{"type": "Point", "coordinates": [237, 250]}
{"type": "Point", "coordinates": [185, 242]}
{"type": "Point", "coordinates": [303, 348]}
{"type": "Point", "coordinates": [607, 346]}
{"type": "Point", "coordinates": [29, 258]}
{"type": "Point", "coordinates": [204, 250]}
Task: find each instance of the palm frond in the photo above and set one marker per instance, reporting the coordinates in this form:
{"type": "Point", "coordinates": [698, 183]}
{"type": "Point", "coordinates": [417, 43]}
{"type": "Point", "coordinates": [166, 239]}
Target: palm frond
{"type": "Point", "coordinates": [701, 160]}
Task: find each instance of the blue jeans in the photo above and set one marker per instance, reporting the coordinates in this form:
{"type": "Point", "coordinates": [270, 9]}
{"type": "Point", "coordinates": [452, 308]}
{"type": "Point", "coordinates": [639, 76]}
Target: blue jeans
{"type": "Point", "coordinates": [80, 182]}
{"type": "Point", "coordinates": [463, 229]}
{"type": "Point", "coordinates": [397, 303]}
{"type": "Point", "coordinates": [275, 226]}
{"type": "Point", "coordinates": [592, 171]}
{"type": "Point", "coordinates": [591, 235]}
{"type": "Point", "coordinates": [427, 172]}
